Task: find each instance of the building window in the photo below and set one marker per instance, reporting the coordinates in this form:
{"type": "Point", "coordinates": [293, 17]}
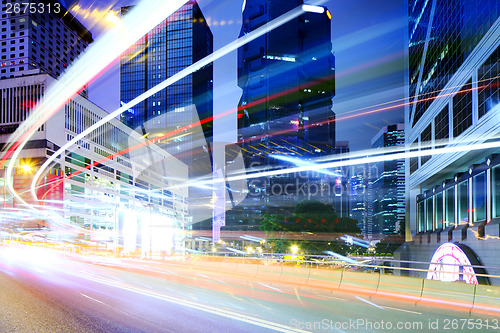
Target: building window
{"type": "Point", "coordinates": [462, 109]}
{"type": "Point", "coordinates": [438, 210]}
{"type": "Point", "coordinates": [479, 195]}
{"type": "Point", "coordinates": [413, 160]}
{"type": "Point", "coordinates": [463, 202]}
{"type": "Point", "coordinates": [425, 140]}
{"type": "Point", "coordinates": [450, 207]}
{"type": "Point", "coordinates": [442, 124]}
{"type": "Point", "coordinates": [428, 214]}
{"type": "Point", "coordinates": [421, 215]}
{"type": "Point", "coordinates": [489, 93]}
{"type": "Point", "coordinates": [495, 190]}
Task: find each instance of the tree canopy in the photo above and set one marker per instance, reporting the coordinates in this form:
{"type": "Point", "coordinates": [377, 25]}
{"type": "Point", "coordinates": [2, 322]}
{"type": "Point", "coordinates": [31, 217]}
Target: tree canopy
{"type": "Point", "coordinates": [310, 216]}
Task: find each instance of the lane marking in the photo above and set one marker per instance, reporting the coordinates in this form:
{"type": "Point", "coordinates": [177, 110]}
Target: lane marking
{"type": "Point", "coordinates": [206, 277]}
{"type": "Point", "coordinates": [298, 296]}
{"type": "Point", "coordinates": [265, 285]}
{"type": "Point", "coordinates": [214, 279]}
{"type": "Point", "coordinates": [201, 307]}
{"type": "Point", "coordinates": [337, 298]}
{"type": "Point", "coordinates": [96, 300]}
{"type": "Point", "coordinates": [368, 302]}
{"type": "Point", "coordinates": [397, 309]}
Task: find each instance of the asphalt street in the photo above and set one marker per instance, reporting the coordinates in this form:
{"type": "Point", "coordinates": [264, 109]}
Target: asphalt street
{"type": "Point", "coordinates": [44, 292]}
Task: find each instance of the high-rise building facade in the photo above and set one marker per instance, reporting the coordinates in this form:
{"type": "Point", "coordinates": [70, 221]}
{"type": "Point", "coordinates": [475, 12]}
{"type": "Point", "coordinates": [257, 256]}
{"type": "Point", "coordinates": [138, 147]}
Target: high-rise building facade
{"type": "Point", "coordinates": [285, 115]}
{"type": "Point", "coordinates": [451, 198]}
{"type": "Point", "coordinates": [388, 186]}
{"type": "Point", "coordinates": [287, 78]}
{"type": "Point", "coordinates": [104, 196]}
{"type": "Point", "coordinates": [361, 198]}
{"type": "Point", "coordinates": [179, 41]}
{"type": "Point", "coordinates": [110, 192]}
{"type": "Point", "coordinates": [48, 40]}
{"type": "Point", "coordinates": [358, 207]}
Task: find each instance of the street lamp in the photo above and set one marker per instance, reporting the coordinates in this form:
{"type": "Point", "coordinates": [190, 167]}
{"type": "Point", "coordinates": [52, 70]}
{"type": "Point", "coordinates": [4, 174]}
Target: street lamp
{"type": "Point", "coordinates": [294, 249]}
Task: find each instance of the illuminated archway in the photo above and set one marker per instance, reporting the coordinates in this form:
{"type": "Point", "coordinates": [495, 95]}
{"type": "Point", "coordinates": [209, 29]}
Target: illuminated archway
{"type": "Point", "coordinates": [453, 262]}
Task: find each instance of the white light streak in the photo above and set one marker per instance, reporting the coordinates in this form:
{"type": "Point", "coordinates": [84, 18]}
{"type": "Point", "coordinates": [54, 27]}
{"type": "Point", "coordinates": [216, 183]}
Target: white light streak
{"type": "Point", "coordinates": [313, 9]}
{"type": "Point", "coordinates": [350, 162]}
{"type": "Point", "coordinates": [183, 73]}
{"type": "Point", "coordinates": [143, 18]}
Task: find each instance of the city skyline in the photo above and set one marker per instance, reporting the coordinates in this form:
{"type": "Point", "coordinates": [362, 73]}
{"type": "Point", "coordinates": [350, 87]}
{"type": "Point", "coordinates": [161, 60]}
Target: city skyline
{"type": "Point", "coordinates": [143, 217]}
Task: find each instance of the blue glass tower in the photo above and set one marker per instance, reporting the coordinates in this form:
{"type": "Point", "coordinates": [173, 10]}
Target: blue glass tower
{"type": "Point", "coordinates": [287, 77]}
{"type": "Point", "coordinates": [181, 40]}
{"type": "Point", "coordinates": [285, 112]}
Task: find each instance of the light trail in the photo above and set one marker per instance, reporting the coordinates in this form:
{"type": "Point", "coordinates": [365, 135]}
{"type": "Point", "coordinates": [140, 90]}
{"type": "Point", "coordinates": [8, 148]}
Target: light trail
{"type": "Point", "coordinates": [195, 306]}
{"type": "Point", "coordinates": [258, 137]}
{"type": "Point", "coordinates": [358, 161]}
{"type": "Point", "coordinates": [143, 18]}
{"type": "Point", "coordinates": [176, 77]}
{"type": "Point", "coordinates": [273, 97]}
{"type": "Point", "coordinates": [95, 59]}
{"type": "Point", "coordinates": [247, 106]}
{"type": "Point", "coordinates": [374, 152]}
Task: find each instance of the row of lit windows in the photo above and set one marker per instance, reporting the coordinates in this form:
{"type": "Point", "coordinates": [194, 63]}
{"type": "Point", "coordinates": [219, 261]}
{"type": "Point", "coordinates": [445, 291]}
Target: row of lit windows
{"type": "Point", "coordinates": [451, 206]}
{"type": "Point", "coordinates": [488, 98]}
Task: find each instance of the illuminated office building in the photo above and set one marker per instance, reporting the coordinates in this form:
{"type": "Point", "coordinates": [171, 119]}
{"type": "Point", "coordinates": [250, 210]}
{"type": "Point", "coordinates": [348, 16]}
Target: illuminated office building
{"type": "Point", "coordinates": [113, 197]}
{"type": "Point", "coordinates": [360, 206]}
{"type": "Point", "coordinates": [285, 115]}
{"type": "Point", "coordinates": [48, 41]}
{"type": "Point", "coordinates": [455, 100]}
{"type": "Point", "coordinates": [179, 41]}
{"type": "Point", "coordinates": [387, 185]}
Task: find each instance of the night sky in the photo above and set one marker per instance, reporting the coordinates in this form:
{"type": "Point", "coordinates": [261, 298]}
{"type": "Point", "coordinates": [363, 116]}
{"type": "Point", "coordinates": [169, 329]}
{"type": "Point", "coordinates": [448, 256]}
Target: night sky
{"type": "Point", "coordinates": [368, 43]}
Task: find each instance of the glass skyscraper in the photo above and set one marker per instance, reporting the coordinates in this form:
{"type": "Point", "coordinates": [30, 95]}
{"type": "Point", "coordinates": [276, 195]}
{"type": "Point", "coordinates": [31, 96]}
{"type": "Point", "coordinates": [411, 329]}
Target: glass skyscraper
{"type": "Point", "coordinates": [287, 77]}
{"type": "Point", "coordinates": [285, 115]}
{"type": "Point", "coordinates": [179, 41]}
{"type": "Point", "coordinates": [453, 79]}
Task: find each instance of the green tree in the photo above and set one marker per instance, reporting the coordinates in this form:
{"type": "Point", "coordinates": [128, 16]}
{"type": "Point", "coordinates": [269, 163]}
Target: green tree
{"type": "Point", "coordinates": [272, 222]}
{"type": "Point", "coordinates": [314, 216]}
{"type": "Point", "coordinates": [309, 216]}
